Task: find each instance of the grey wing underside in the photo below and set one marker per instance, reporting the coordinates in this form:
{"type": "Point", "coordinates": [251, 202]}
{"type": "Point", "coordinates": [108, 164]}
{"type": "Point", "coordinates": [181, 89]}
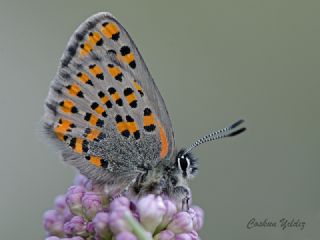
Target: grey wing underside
{"type": "Point", "coordinates": [104, 110]}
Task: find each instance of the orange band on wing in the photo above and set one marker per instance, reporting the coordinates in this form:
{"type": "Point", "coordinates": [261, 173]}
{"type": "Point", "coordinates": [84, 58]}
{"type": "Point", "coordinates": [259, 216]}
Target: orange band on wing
{"type": "Point", "coordinates": [68, 106]}
{"type": "Point", "coordinates": [84, 78]}
{"type": "Point", "coordinates": [95, 160]}
{"type": "Point", "coordinates": [95, 39]}
{"type": "Point", "coordinates": [114, 71]}
{"type": "Point", "coordinates": [110, 30]}
{"type": "Point", "coordinates": [130, 98]}
{"type": "Point", "coordinates": [63, 127]}
{"type": "Point", "coordinates": [148, 120]}
{"type": "Point", "coordinates": [75, 91]}
{"type": "Point", "coordinates": [96, 71]}
{"type": "Point", "coordinates": [132, 127]}
{"type": "Point", "coordinates": [78, 146]}
{"type": "Point", "coordinates": [122, 126]}
{"type": "Point", "coordinates": [138, 87]}
{"type": "Point", "coordinates": [93, 134]}
{"type": "Point", "coordinates": [164, 141]}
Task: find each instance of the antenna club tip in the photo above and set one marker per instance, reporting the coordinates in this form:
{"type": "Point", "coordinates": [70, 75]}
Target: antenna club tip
{"type": "Point", "coordinates": [237, 132]}
{"type": "Point", "coordinates": [237, 123]}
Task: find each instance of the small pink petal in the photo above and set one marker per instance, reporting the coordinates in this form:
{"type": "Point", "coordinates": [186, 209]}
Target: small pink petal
{"type": "Point", "coordinates": [164, 235]}
{"type": "Point", "coordinates": [126, 236]}
{"type": "Point", "coordinates": [181, 223]}
{"type": "Point", "coordinates": [151, 209]}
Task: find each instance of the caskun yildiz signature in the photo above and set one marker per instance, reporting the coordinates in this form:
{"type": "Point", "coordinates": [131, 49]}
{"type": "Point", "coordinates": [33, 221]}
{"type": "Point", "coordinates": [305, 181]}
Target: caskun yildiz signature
{"type": "Point", "coordinates": [283, 223]}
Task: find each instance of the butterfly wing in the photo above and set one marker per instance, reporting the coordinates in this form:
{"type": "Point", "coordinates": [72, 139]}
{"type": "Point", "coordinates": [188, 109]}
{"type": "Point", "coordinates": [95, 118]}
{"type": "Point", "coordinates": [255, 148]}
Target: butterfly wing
{"type": "Point", "coordinates": [104, 110]}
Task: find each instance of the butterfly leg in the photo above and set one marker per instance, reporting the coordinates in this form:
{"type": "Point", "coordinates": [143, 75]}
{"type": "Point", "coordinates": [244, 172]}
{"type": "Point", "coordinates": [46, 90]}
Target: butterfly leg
{"type": "Point", "coordinates": [185, 203]}
{"type": "Point", "coordinates": [182, 194]}
{"type": "Point", "coordinates": [126, 189]}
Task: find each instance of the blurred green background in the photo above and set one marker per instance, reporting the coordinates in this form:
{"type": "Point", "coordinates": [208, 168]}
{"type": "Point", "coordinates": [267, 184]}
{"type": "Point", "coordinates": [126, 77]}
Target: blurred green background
{"type": "Point", "coordinates": [214, 62]}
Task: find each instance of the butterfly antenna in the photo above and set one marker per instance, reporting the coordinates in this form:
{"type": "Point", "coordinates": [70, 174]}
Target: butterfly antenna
{"type": "Point", "coordinates": [222, 133]}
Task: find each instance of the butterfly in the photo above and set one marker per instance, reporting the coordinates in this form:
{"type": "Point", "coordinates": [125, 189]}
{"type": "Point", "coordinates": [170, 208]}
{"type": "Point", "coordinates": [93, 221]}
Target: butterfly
{"type": "Point", "coordinates": [109, 120]}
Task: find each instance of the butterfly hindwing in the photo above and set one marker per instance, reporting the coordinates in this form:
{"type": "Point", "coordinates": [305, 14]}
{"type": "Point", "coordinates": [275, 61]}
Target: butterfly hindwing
{"type": "Point", "coordinates": [104, 109]}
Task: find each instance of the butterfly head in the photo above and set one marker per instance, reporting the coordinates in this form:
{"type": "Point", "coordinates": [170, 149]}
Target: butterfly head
{"type": "Point", "coordinates": [186, 164]}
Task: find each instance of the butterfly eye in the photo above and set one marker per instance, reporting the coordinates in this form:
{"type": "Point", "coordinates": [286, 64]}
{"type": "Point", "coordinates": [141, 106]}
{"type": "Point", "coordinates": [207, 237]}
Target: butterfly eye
{"type": "Point", "coordinates": [183, 163]}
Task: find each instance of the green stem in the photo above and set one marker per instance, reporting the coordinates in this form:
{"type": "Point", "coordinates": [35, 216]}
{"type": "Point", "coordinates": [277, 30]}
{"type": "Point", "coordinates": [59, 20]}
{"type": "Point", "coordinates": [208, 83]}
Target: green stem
{"type": "Point", "coordinates": [137, 228]}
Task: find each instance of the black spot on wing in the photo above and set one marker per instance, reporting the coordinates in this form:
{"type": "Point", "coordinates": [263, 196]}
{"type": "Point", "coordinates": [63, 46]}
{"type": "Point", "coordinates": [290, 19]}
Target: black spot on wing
{"type": "Point", "coordinates": [119, 102]}
{"type": "Point", "coordinates": [104, 163]}
{"type": "Point", "coordinates": [94, 105]}
{"type": "Point", "coordinates": [129, 118]}
{"type": "Point", "coordinates": [112, 90]}
{"type": "Point", "coordinates": [150, 128]}
{"type": "Point", "coordinates": [100, 76]}
{"type": "Point", "coordinates": [116, 36]}
{"type": "Point", "coordinates": [147, 112]}
{"type": "Point", "coordinates": [118, 118]}
{"type": "Point", "coordinates": [136, 134]}
{"type": "Point", "coordinates": [134, 104]}
{"type": "Point", "coordinates": [100, 123]}
{"type": "Point", "coordinates": [99, 42]}
{"type": "Point", "coordinates": [124, 50]}
{"type": "Point", "coordinates": [133, 64]}
{"type": "Point", "coordinates": [127, 91]}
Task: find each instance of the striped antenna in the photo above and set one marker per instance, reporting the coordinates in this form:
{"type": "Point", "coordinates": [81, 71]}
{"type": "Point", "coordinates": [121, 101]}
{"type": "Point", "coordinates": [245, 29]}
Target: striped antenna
{"type": "Point", "coordinates": [222, 133]}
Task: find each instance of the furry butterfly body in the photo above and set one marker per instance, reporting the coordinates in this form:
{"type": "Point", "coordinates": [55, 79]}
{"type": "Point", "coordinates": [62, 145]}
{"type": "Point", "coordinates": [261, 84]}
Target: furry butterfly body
{"type": "Point", "coordinates": [108, 118]}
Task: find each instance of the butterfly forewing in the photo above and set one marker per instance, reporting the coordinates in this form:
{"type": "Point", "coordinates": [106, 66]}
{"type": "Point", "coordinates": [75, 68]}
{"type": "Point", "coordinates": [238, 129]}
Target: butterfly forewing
{"type": "Point", "coordinates": [104, 109]}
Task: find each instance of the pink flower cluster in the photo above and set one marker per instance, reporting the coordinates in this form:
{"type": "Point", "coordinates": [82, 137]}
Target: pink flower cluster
{"type": "Point", "coordinates": [85, 212]}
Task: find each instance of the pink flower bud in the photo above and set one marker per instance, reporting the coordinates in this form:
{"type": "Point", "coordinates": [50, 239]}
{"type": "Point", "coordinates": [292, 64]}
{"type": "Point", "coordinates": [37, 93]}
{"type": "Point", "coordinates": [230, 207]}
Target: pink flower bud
{"type": "Point", "coordinates": [165, 235]}
{"type": "Point", "coordinates": [91, 203]}
{"type": "Point", "coordinates": [151, 210]}
{"type": "Point", "coordinates": [194, 235]}
{"type": "Point", "coordinates": [183, 236]}
{"type": "Point", "coordinates": [67, 214]}
{"type": "Point", "coordinates": [187, 236]}
{"type": "Point", "coordinates": [171, 209]}
{"type": "Point", "coordinates": [120, 202]}
{"type": "Point", "coordinates": [53, 222]}
{"type": "Point", "coordinates": [60, 203]}
{"type": "Point", "coordinates": [117, 220]}
{"type": "Point", "coordinates": [100, 224]}
{"type": "Point", "coordinates": [90, 227]}
{"type": "Point", "coordinates": [53, 238]}
{"type": "Point", "coordinates": [80, 180]}
{"type": "Point", "coordinates": [76, 226]}
{"type": "Point", "coordinates": [126, 236]}
{"type": "Point", "coordinates": [74, 198]}
{"type": "Point", "coordinates": [181, 223]}
{"type": "Point", "coordinates": [197, 216]}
